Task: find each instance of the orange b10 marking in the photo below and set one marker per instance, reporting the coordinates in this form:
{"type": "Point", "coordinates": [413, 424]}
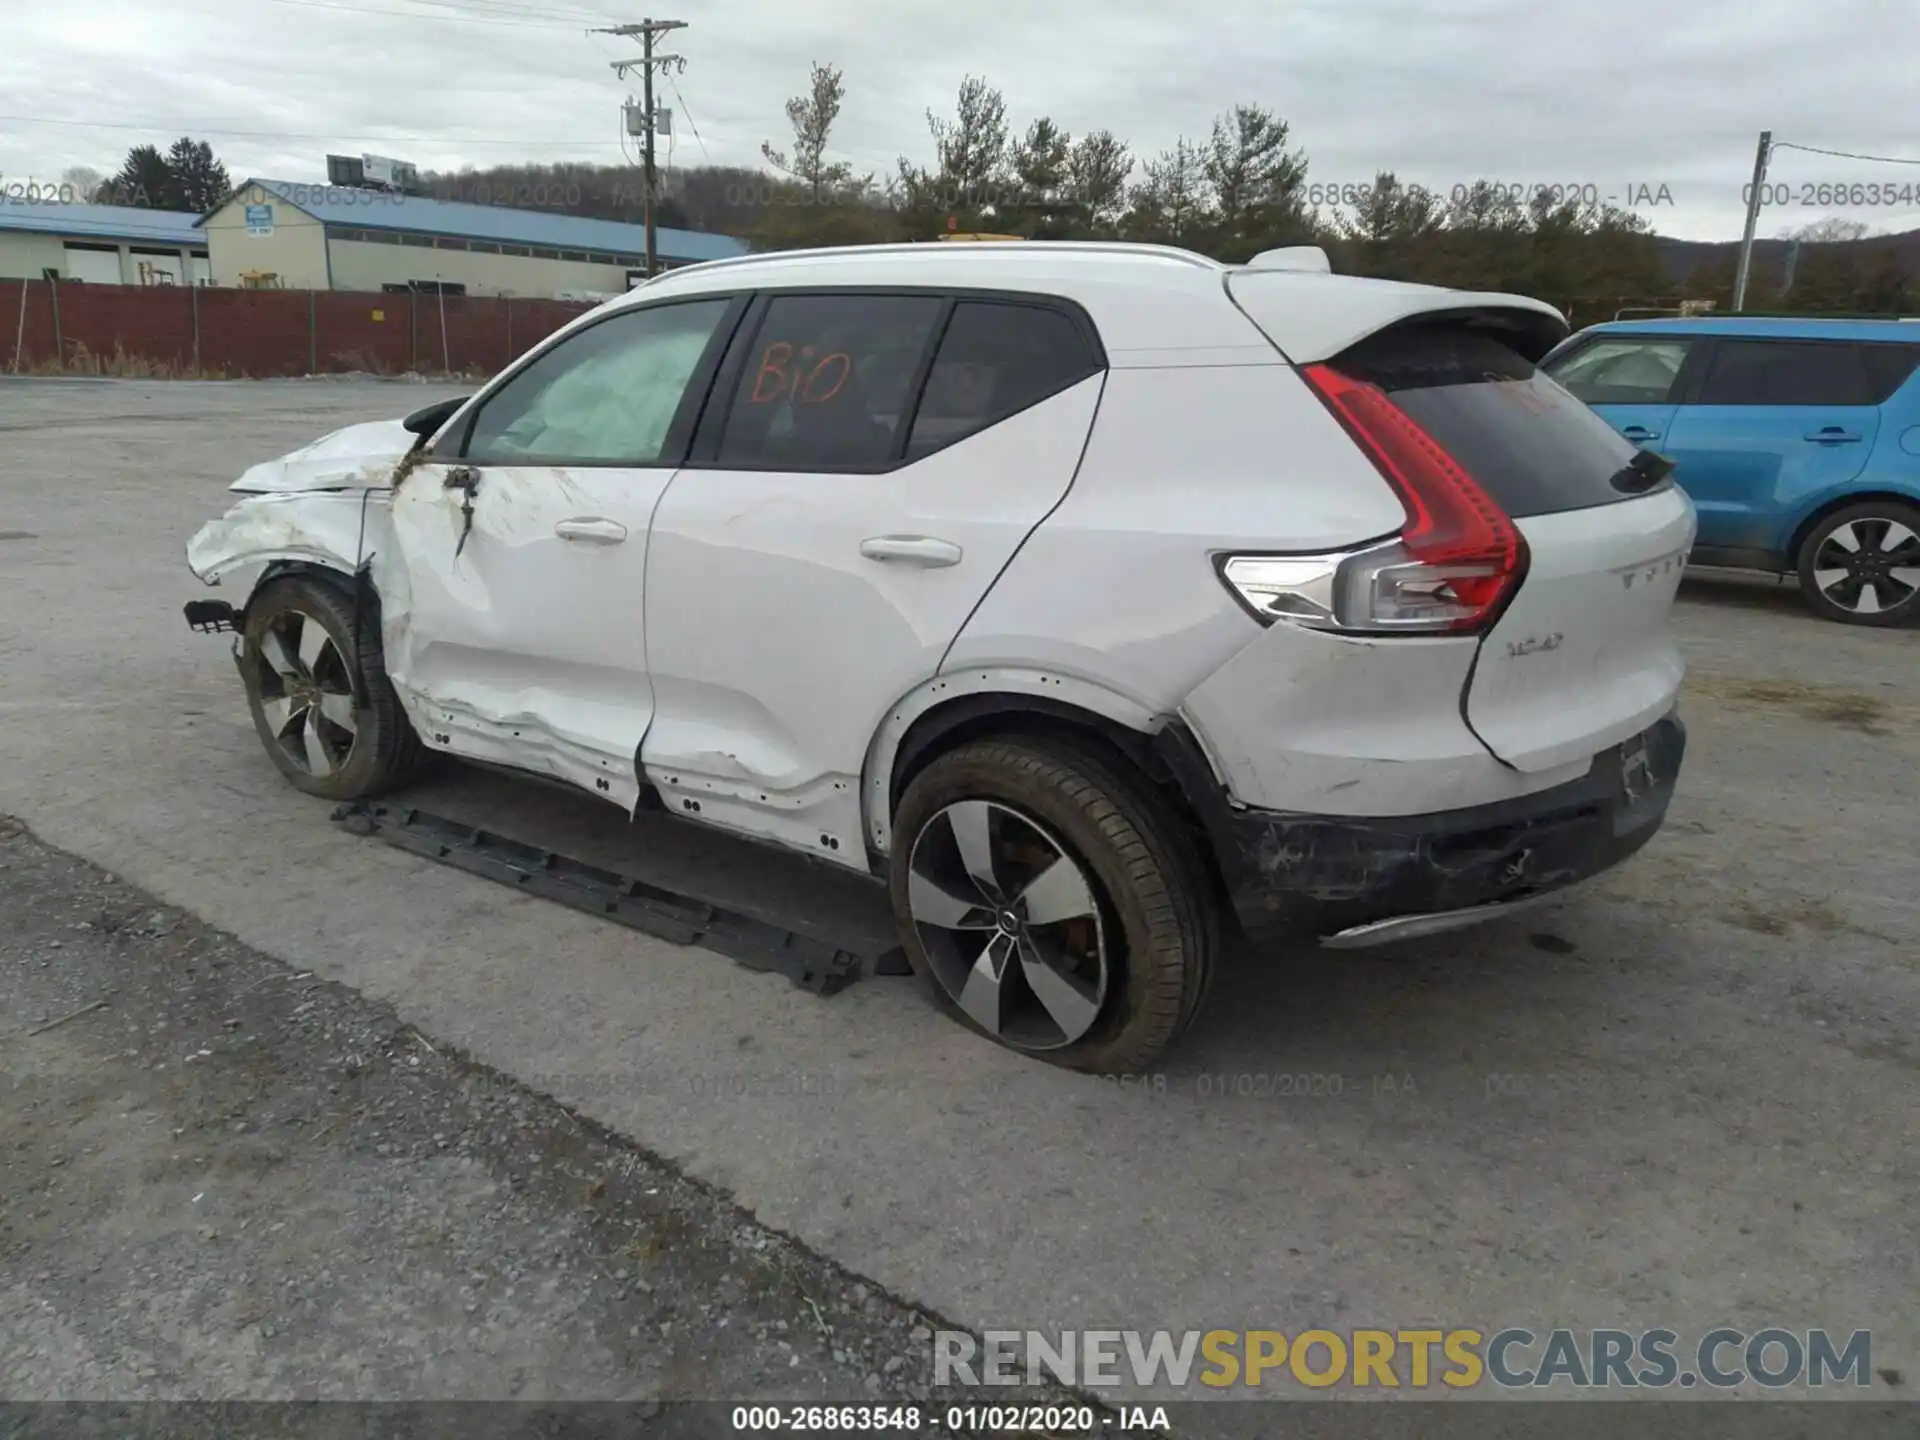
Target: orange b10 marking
{"type": "Point", "coordinates": [812, 383]}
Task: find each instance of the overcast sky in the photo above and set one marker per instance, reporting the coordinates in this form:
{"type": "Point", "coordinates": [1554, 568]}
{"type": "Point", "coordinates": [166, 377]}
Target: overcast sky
{"type": "Point", "coordinates": [1613, 94]}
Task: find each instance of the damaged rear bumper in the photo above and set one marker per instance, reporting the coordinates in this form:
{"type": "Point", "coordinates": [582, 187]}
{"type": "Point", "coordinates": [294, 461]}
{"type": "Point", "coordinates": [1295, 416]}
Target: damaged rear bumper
{"type": "Point", "coordinates": [1351, 881]}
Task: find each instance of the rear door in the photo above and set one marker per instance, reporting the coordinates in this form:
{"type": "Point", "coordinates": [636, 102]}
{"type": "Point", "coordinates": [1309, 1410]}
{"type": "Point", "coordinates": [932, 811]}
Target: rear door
{"type": "Point", "coordinates": [1776, 421]}
{"type": "Point", "coordinates": [867, 466]}
{"type": "Point", "coordinates": [1631, 381]}
{"type": "Point", "coordinates": [1581, 658]}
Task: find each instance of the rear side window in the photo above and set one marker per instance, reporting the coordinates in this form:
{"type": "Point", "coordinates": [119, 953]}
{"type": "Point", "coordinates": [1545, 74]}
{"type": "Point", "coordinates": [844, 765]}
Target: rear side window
{"type": "Point", "coordinates": [1529, 444]}
{"type": "Point", "coordinates": [1621, 371]}
{"type": "Point", "coordinates": [996, 359]}
{"type": "Point", "coordinates": [1804, 372]}
{"type": "Point", "coordinates": [828, 382]}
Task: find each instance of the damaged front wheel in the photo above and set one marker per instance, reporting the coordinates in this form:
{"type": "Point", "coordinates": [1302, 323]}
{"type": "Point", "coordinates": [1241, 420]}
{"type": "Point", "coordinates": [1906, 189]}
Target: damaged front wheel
{"type": "Point", "coordinates": [319, 692]}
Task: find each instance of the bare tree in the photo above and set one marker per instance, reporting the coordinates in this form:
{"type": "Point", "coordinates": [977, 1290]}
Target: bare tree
{"type": "Point", "coordinates": [1833, 230]}
{"type": "Point", "coordinates": [970, 155]}
{"type": "Point", "coordinates": [83, 180]}
{"type": "Point", "coordinates": [812, 116]}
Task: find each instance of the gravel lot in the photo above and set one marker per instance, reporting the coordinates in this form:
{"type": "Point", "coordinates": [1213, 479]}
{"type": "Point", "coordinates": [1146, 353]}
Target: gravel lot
{"type": "Point", "coordinates": [1684, 1096]}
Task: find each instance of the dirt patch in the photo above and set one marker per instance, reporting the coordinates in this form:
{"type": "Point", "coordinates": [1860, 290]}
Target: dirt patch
{"type": "Point", "coordinates": [1831, 704]}
{"type": "Point", "coordinates": [1807, 913]}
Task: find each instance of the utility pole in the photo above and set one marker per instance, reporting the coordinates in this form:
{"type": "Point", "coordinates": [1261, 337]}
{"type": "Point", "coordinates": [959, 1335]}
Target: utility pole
{"type": "Point", "coordinates": [1753, 218]}
{"type": "Point", "coordinates": [645, 31]}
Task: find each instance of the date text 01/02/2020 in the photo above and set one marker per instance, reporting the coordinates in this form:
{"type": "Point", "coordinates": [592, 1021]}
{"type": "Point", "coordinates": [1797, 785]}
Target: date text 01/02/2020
{"type": "Point", "coordinates": [1055, 1420]}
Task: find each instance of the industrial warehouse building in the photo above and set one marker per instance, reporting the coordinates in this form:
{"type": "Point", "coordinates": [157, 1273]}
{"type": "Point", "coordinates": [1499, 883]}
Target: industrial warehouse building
{"type": "Point", "coordinates": [104, 244]}
{"type": "Point", "coordinates": [284, 235]}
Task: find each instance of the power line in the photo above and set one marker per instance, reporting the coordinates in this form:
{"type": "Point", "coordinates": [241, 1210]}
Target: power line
{"type": "Point", "coordinates": [1845, 154]}
{"type": "Point", "coordinates": [202, 130]}
{"type": "Point", "coordinates": [686, 111]}
{"type": "Point", "coordinates": [448, 19]}
{"type": "Point", "coordinates": [503, 7]}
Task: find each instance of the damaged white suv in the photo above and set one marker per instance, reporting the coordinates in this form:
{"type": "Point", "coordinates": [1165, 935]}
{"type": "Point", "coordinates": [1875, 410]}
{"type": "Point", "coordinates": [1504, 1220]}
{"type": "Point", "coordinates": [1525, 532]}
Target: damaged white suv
{"type": "Point", "coordinates": [1104, 600]}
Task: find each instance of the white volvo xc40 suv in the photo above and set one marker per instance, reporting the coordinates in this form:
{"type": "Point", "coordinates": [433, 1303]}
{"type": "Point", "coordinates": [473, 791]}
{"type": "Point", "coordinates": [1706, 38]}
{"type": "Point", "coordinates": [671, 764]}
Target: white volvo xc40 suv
{"type": "Point", "coordinates": [1106, 602]}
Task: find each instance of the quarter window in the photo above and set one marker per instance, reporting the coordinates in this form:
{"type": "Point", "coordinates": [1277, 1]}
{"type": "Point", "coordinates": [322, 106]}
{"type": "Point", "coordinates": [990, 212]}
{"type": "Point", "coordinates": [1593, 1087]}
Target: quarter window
{"type": "Point", "coordinates": [1623, 371]}
{"type": "Point", "coordinates": [996, 359]}
{"type": "Point", "coordinates": [607, 394]}
{"type": "Point", "coordinates": [1788, 372]}
{"type": "Point", "coordinates": [828, 382]}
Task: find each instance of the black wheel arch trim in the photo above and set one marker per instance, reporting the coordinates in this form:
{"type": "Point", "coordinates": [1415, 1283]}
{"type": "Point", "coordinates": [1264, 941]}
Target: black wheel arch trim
{"type": "Point", "coordinates": [1168, 759]}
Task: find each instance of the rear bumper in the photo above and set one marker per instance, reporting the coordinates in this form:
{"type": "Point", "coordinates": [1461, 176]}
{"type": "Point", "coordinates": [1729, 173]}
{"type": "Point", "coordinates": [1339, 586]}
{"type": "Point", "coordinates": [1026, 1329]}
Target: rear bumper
{"type": "Point", "coordinates": [1351, 881]}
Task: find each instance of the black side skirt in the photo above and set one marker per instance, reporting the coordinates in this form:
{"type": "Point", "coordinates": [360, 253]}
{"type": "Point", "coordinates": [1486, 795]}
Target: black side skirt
{"type": "Point", "coordinates": [811, 964]}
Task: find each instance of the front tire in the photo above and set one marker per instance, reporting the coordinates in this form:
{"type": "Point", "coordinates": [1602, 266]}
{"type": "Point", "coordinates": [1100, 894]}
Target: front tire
{"type": "Point", "coordinates": [1861, 565]}
{"type": "Point", "coordinates": [1048, 903]}
{"type": "Point", "coordinates": [318, 689]}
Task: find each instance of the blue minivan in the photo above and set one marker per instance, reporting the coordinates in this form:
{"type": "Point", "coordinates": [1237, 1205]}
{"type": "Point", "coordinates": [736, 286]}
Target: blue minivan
{"type": "Point", "coordinates": [1797, 440]}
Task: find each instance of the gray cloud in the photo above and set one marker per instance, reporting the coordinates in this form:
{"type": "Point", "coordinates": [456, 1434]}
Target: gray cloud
{"type": "Point", "coordinates": [1626, 94]}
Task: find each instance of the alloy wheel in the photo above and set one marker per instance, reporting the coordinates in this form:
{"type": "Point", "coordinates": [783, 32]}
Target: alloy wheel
{"type": "Point", "coordinates": [1010, 924]}
{"type": "Point", "coordinates": [306, 692]}
{"type": "Point", "coordinates": [1868, 565]}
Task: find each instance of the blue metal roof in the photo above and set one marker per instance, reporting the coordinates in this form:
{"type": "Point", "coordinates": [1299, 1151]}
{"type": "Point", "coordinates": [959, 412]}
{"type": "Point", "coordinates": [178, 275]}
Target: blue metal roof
{"type": "Point", "coordinates": [379, 210]}
{"type": "Point", "coordinates": [104, 222]}
{"type": "Point", "coordinates": [1772, 327]}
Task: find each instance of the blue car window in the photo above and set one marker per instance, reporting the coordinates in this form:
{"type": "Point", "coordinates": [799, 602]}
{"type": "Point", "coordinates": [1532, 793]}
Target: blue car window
{"type": "Point", "coordinates": [1789, 372]}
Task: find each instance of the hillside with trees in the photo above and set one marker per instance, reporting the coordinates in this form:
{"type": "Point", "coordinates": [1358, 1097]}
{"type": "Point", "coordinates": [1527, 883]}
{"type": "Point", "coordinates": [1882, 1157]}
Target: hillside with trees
{"type": "Point", "coordinates": [1244, 186]}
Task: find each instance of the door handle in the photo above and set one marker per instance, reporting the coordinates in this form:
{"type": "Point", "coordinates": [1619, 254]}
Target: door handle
{"type": "Point", "coordinates": [591, 531]}
{"type": "Point", "coordinates": [922, 550]}
{"type": "Point", "coordinates": [1832, 435]}
{"type": "Point", "coordinates": [1637, 433]}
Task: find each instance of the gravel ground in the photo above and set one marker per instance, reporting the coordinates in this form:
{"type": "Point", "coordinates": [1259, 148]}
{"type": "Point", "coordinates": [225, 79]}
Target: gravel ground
{"type": "Point", "coordinates": [225, 1177]}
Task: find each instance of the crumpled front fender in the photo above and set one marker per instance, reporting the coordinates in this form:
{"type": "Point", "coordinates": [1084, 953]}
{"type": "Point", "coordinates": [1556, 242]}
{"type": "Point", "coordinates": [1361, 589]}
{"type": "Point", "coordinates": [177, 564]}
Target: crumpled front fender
{"type": "Point", "coordinates": [323, 528]}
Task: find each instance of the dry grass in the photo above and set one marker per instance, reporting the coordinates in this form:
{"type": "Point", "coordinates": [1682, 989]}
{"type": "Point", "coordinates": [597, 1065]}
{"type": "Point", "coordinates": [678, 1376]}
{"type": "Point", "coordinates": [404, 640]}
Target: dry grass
{"type": "Point", "coordinates": [81, 360]}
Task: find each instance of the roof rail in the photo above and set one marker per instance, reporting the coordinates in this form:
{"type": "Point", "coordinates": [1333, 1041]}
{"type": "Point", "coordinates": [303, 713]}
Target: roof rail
{"type": "Point", "coordinates": [999, 247]}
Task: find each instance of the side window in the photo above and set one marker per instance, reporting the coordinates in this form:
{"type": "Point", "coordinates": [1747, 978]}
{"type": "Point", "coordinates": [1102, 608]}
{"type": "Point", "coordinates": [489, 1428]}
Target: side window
{"type": "Point", "coordinates": [1623, 371]}
{"type": "Point", "coordinates": [1787, 372]}
{"type": "Point", "coordinates": [1888, 367]}
{"type": "Point", "coordinates": [827, 382]}
{"type": "Point", "coordinates": [607, 394]}
{"type": "Point", "coordinates": [996, 359]}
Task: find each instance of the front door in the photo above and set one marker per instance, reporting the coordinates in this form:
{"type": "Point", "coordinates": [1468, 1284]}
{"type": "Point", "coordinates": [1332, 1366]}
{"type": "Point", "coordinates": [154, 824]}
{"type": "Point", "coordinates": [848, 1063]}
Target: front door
{"type": "Point", "coordinates": [832, 532]}
{"type": "Point", "coordinates": [1776, 422]}
{"type": "Point", "coordinates": [513, 620]}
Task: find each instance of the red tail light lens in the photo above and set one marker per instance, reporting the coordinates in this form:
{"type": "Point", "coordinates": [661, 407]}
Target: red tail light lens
{"type": "Point", "coordinates": [1468, 554]}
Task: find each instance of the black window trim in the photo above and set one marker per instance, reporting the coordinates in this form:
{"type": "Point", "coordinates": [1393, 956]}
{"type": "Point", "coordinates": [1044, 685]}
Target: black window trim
{"type": "Point", "coordinates": [451, 446]}
{"type": "Point", "coordinates": [705, 450]}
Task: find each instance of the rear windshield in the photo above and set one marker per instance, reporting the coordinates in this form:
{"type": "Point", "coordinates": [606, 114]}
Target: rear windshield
{"type": "Point", "coordinates": [1533, 447]}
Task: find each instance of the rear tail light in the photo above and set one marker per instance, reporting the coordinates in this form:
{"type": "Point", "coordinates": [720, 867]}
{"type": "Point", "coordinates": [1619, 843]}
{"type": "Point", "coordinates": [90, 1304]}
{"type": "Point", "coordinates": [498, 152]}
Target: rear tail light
{"type": "Point", "coordinates": [1448, 571]}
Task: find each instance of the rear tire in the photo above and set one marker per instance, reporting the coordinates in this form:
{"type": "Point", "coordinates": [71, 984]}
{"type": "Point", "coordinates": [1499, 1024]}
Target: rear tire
{"type": "Point", "coordinates": [317, 686]}
{"type": "Point", "coordinates": [1116, 975]}
{"type": "Point", "coordinates": [1861, 565]}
